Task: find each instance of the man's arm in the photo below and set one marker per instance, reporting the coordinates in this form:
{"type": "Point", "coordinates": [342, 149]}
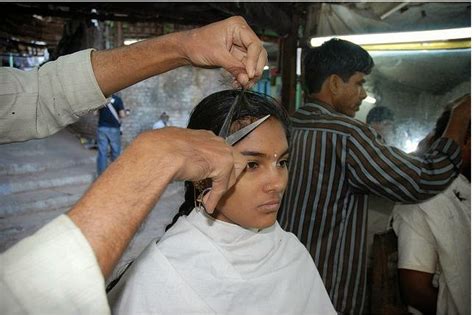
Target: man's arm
{"type": "Point", "coordinates": [417, 257]}
{"type": "Point", "coordinates": [229, 44]}
{"type": "Point", "coordinates": [459, 120]}
{"type": "Point", "coordinates": [65, 262]}
{"type": "Point", "coordinates": [388, 172]}
{"type": "Point", "coordinates": [108, 218]}
{"type": "Point", "coordinates": [418, 291]}
{"type": "Point", "coordinates": [39, 103]}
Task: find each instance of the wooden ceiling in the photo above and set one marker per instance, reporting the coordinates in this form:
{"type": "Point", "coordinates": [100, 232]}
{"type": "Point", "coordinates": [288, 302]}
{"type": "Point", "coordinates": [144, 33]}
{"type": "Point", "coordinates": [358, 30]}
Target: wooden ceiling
{"type": "Point", "coordinates": [30, 26]}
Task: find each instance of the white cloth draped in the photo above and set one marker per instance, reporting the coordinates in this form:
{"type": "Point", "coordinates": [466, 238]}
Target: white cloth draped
{"type": "Point", "coordinates": [206, 266]}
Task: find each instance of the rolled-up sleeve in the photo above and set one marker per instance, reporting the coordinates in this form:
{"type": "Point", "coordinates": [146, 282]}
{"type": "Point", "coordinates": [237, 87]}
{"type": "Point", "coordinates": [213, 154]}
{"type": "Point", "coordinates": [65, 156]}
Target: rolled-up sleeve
{"type": "Point", "coordinates": [54, 271]}
{"type": "Point", "coordinates": [40, 102]}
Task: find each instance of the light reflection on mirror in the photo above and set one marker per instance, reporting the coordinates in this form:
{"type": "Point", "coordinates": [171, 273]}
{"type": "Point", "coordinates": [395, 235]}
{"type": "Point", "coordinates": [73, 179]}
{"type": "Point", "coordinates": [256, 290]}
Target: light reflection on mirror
{"type": "Point", "coordinates": [416, 85]}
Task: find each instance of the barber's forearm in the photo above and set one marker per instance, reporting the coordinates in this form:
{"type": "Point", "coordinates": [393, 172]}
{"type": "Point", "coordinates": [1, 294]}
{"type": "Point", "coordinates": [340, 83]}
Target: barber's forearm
{"type": "Point", "coordinates": [111, 211]}
{"type": "Point", "coordinates": [118, 68]}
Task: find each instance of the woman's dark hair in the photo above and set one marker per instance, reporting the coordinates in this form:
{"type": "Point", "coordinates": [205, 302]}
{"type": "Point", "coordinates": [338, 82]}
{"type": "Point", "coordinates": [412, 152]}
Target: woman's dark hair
{"type": "Point", "coordinates": [210, 114]}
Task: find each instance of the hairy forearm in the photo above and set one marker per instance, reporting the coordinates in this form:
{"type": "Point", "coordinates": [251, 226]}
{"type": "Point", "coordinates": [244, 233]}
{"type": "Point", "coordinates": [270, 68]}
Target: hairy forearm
{"type": "Point", "coordinates": [112, 210]}
{"type": "Point", "coordinates": [118, 68]}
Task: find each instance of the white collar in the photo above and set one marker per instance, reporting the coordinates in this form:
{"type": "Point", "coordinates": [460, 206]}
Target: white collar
{"type": "Point", "coordinates": [223, 232]}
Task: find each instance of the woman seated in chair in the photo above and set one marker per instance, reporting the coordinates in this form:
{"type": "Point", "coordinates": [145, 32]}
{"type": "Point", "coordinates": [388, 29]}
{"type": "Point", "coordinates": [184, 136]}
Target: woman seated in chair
{"type": "Point", "coordinates": [236, 260]}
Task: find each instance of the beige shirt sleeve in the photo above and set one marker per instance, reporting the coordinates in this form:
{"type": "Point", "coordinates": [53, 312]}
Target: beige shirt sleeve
{"type": "Point", "coordinates": [54, 271]}
{"type": "Point", "coordinates": [40, 102]}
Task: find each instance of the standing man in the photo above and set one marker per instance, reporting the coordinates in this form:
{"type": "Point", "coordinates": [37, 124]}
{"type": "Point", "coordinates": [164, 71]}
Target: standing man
{"type": "Point", "coordinates": [434, 241]}
{"type": "Point", "coordinates": [337, 161]}
{"type": "Point", "coordinates": [109, 132]}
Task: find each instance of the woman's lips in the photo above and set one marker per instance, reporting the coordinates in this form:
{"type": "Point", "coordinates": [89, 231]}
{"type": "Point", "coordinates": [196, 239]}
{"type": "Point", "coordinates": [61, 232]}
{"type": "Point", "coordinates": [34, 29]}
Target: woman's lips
{"type": "Point", "coordinates": [271, 206]}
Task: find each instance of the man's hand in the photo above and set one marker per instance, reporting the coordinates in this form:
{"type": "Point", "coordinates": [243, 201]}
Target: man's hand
{"type": "Point", "coordinates": [459, 120]}
{"type": "Point", "coordinates": [195, 155]}
{"type": "Point", "coordinates": [109, 218]}
{"type": "Point", "coordinates": [230, 44]}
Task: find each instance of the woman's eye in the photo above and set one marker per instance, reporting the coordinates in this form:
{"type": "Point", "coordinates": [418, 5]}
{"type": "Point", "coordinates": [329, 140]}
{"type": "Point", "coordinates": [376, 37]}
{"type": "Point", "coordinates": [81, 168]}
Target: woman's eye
{"type": "Point", "coordinates": [283, 163]}
{"type": "Point", "coordinates": [252, 165]}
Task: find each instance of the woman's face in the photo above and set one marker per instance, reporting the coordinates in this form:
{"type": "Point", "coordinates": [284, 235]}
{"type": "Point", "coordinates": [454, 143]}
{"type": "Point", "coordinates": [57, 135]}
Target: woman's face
{"type": "Point", "coordinates": [254, 200]}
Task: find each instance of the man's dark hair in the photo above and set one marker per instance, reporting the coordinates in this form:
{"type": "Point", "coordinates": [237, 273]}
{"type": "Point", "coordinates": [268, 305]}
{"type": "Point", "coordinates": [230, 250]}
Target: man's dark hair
{"type": "Point", "coordinates": [378, 114]}
{"type": "Point", "coordinates": [438, 130]}
{"type": "Point", "coordinates": [335, 56]}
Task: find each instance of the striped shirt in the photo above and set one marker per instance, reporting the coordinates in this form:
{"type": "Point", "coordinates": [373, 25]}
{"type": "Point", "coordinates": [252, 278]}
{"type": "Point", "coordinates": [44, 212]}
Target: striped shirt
{"type": "Point", "coordinates": [335, 163]}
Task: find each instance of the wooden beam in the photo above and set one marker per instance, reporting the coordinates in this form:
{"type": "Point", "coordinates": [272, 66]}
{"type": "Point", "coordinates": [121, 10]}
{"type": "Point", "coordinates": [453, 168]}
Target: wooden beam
{"type": "Point", "coordinates": [288, 47]}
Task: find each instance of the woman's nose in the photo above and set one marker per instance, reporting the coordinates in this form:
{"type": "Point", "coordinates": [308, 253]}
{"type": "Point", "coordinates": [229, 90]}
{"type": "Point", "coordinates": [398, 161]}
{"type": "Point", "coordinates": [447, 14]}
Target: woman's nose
{"type": "Point", "coordinates": [276, 180]}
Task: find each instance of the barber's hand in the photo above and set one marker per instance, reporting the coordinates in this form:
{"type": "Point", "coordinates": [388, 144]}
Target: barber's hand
{"type": "Point", "coordinates": [230, 44]}
{"type": "Point", "coordinates": [195, 155]}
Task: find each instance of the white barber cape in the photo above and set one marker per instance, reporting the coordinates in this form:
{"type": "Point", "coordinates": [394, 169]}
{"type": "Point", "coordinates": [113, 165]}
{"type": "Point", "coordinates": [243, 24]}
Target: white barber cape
{"type": "Point", "coordinates": [206, 266]}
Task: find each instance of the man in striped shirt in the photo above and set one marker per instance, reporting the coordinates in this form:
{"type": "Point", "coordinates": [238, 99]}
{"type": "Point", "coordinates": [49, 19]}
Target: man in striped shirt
{"type": "Point", "coordinates": [337, 161]}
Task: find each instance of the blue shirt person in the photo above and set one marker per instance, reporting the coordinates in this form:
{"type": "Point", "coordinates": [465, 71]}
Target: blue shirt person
{"type": "Point", "coordinates": [108, 132]}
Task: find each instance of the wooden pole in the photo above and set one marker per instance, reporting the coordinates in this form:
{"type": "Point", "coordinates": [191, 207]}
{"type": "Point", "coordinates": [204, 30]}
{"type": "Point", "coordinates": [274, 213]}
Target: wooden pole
{"type": "Point", "coordinates": [288, 47]}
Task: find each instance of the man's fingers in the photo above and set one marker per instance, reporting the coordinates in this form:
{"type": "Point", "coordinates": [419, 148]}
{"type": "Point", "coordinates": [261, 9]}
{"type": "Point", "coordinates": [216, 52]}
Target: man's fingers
{"type": "Point", "coordinates": [224, 181]}
{"type": "Point", "coordinates": [256, 60]}
{"type": "Point", "coordinates": [219, 187]}
{"type": "Point", "coordinates": [262, 61]}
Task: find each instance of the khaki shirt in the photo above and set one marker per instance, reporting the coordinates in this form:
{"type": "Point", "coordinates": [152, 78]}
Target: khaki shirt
{"type": "Point", "coordinates": [54, 271]}
{"type": "Point", "coordinates": [40, 102]}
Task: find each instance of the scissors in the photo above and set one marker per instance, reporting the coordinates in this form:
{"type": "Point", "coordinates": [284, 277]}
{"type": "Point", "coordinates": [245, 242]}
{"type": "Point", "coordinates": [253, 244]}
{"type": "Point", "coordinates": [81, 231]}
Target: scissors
{"type": "Point", "coordinates": [232, 139]}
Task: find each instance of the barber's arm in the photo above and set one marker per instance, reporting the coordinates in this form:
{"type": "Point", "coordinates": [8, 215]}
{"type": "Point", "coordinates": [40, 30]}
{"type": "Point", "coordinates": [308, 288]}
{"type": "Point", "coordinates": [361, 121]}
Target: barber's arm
{"type": "Point", "coordinates": [459, 120]}
{"type": "Point", "coordinates": [64, 264]}
{"type": "Point", "coordinates": [388, 172]}
{"type": "Point", "coordinates": [39, 103]}
{"type": "Point", "coordinates": [229, 44]}
{"type": "Point", "coordinates": [109, 218]}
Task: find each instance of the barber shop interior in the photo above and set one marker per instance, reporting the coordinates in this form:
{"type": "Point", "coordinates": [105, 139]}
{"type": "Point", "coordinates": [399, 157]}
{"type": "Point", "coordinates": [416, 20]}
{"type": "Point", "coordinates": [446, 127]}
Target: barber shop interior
{"type": "Point", "coordinates": [319, 150]}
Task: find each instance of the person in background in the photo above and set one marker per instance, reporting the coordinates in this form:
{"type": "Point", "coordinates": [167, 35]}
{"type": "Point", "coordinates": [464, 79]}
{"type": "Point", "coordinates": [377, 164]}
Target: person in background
{"type": "Point", "coordinates": [434, 241]}
{"type": "Point", "coordinates": [236, 260]}
{"type": "Point", "coordinates": [109, 131]}
{"type": "Point", "coordinates": [164, 121]}
{"type": "Point", "coordinates": [60, 269]}
{"type": "Point", "coordinates": [381, 118]}
{"type": "Point", "coordinates": [338, 161]}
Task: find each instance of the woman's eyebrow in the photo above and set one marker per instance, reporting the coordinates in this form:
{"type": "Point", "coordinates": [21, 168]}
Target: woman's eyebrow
{"type": "Point", "coordinates": [260, 154]}
{"type": "Point", "coordinates": [253, 153]}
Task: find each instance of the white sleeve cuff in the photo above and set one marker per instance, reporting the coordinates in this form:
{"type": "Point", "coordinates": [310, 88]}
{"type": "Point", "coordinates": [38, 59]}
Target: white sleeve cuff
{"type": "Point", "coordinates": [54, 271]}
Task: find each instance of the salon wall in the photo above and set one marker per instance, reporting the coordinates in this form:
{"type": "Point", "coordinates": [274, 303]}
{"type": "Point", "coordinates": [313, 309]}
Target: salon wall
{"type": "Point", "coordinates": [175, 92]}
